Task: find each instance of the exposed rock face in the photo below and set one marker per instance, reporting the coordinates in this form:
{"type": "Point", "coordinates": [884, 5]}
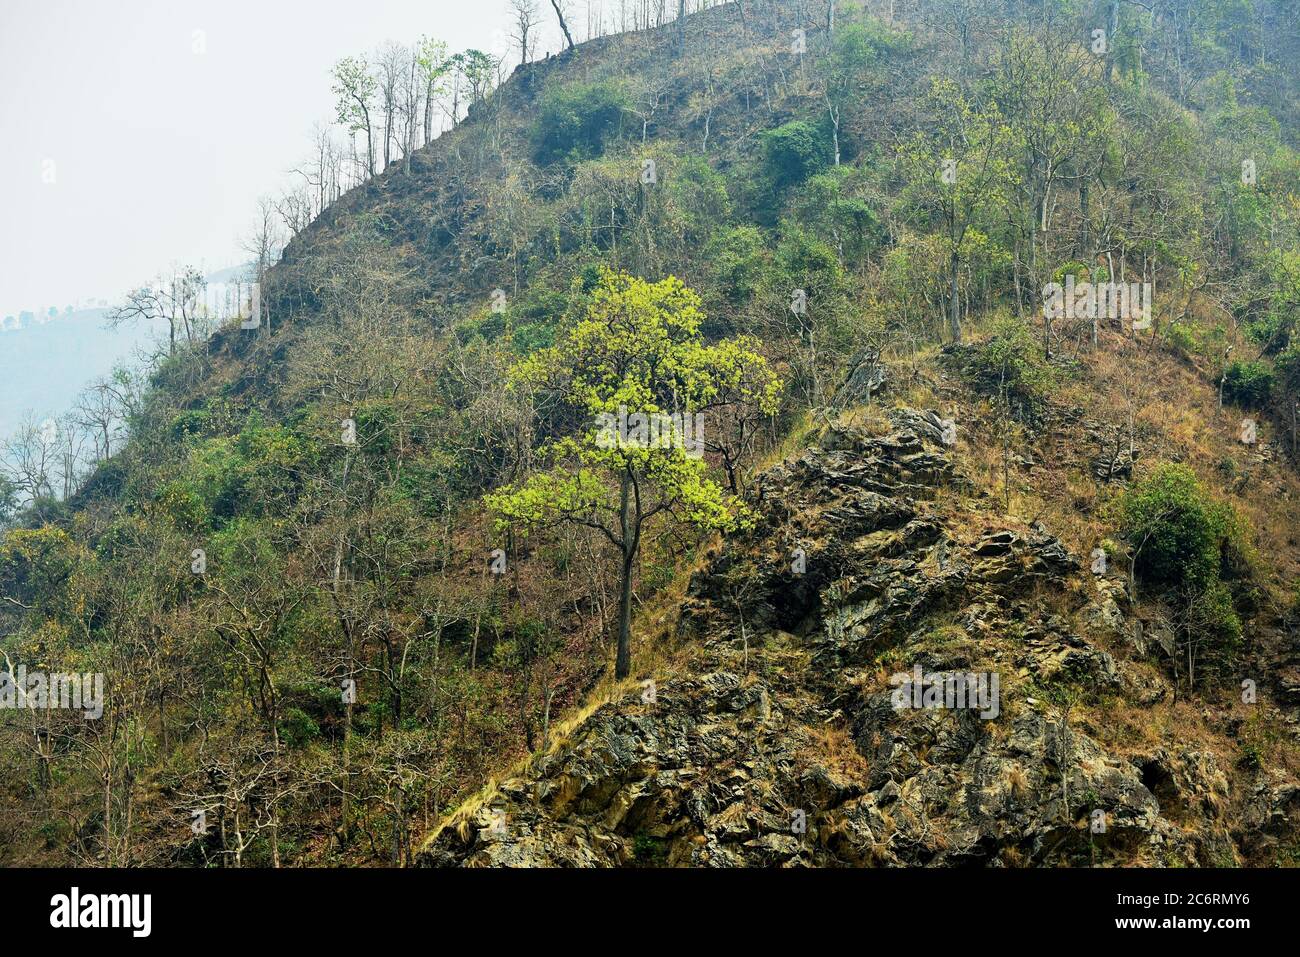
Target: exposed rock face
{"type": "Point", "coordinates": [788, 745]}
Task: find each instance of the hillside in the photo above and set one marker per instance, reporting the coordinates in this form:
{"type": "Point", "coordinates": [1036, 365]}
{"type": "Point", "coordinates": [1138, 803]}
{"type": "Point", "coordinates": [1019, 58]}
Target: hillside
{"type": "Point", "coordinates": [369, 587]}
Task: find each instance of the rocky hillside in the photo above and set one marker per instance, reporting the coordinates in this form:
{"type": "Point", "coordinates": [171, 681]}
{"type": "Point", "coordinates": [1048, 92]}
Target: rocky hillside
{"type": "Point", "coordinates": [369, 587]}
{"type": "Point", "coordinates": [782, 744]}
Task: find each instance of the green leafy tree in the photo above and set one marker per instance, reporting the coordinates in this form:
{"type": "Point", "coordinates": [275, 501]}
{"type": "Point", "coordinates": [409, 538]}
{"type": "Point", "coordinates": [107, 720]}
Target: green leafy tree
{"type": "Point", "coordinates": [354, 91]}
{"type": "Point", "coordinates": [635, 356]}
{"type": "Point", "coordinates": [433, 66]}
{"type": "Point", "coordinates": [958, 173]}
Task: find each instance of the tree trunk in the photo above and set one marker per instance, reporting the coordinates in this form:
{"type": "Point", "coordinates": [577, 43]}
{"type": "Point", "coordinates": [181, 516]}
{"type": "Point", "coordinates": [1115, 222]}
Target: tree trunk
{"type": "Point", "coordinates": [623, 664]}
{"type": "Point", "coordinates": [954, 319]}
{"type": "Point", "coordinates": [564, 27]}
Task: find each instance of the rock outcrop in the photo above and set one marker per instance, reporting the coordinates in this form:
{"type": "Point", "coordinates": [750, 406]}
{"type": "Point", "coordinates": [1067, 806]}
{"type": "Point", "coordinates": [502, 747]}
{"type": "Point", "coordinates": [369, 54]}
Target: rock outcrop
{"type": "Point", "coordinates": [795, 739]}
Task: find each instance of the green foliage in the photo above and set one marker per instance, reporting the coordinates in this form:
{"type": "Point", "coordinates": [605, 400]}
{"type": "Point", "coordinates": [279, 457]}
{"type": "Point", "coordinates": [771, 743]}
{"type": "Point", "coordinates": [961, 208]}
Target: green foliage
{"type": "Point", "coordinates": [431, 481]}
{"type": "Point", "coordinates": [1196, 550]}
{"type": "Point", "coordinates": [574, 122]}
{"type": "Point", "coordinates": [649, 851]}
{"type": "Point", "coordinates": [861, 46]}
{"type": "Point", "coordinates": [636, 353]}
{"type": "Point", "coordinates": [1216, 620]}
{"type": "Point", "coordinates": [38, 566]}
{"type": "Point", "coordinates": [1009, 361]}
{"type": "Point", "coordinates": [228, 476]}
{"type": "Point", "coordinates": [297, 728]}
{"type": "Point", "coordinates": [534, 319]}
{"type": "Point", "coordinates": [1288, 369]}
{"type": "Point", "coordinates": [8, 498]}
{"type": "Point", "coordinates": [1185, 339]}
{"type": "Point", "coordinates": [737, 258]}
{"type": "Point", "coordinates": [1175, 528]}
{"type": "Point", "coordinates": [321, 555]}
{"type": "Point", "coordinates": [1248, 383]}
{"type": "Point", "coordinates": [191, 422]}
{"type": "Point", "coordinates": [638, 348]}
{"type": "Point", "coordinates": [795, 151]}
{"type": "Point", "coordinates": [806, 261]}
{"type": "Point", "coordinates": [697, 199]}
{"type": "Point", "coordinates": [836, 205]}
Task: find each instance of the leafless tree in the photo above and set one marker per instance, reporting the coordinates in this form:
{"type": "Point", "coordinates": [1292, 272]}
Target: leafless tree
{"type": "Point", "coordinates": [524, 26]}
{"type": "Point", "coordinates": [265, 241]}
{"type": "Point", "coordinates": [559, 6]}
{"type": "Point", "coordinates": [177, 300]}
{"type": "Point", "coordinates": [391, 59]}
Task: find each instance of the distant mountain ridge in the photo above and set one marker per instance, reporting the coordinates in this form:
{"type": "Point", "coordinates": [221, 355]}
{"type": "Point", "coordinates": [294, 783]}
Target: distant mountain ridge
{"type": "Point", "coordinates": [45, 365]}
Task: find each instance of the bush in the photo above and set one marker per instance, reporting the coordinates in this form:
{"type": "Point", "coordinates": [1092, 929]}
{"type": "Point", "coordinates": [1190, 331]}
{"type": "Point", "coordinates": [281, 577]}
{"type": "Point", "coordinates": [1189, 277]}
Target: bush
{"type": "Point", "coordinates": [575, 122]}
{"type": "Point", "coordinates": [192, 422]}
{"type": "Point", "coordinates": [737, 260]}
{"type": "Point", "coordinates": [1248, 383]}
{"type": "Point", "coordinates": [794, 152]}
{"type": "Point", "coordinates": [1184, 339]}
{"type": "Point", "coordinates": [1010, 359]}
{"type": "Point", "coordinates": [834, 204]}
{"type": "Point", "coordinates": [298, 729]}
{"type": "Point", "coordinates": [1197, 549]}
{"type": "Point", "coordinates": [1288, 369]}
{"type": "Point", "coordinates": [1174, 528]}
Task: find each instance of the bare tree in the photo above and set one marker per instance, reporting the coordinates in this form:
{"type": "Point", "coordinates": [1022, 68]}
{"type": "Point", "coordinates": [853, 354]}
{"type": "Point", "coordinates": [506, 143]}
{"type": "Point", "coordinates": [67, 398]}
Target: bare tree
{"type": "Point", "coordinates": [559, 7]}
{"type": "Point", "coordinates": [29, 457]}
{"type": "Point", "coordinates": [97, 412]}
{"type": "Point", "coordinates": [178, 301]}
{"type": "Point", "coordinates": [391, 60]}
{"type": "Point", "coordinates": [265, 241]}
{"type": "Point", "coordinates": [412, 92]}
{"type": "Point", "coordinates": [525, 24]}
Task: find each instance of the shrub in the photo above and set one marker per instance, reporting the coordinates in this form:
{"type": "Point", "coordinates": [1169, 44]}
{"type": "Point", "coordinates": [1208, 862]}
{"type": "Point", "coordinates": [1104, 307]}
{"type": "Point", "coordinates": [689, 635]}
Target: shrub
{"type": "Point", "coordinates": [191, 422]}
{"type": "Point", "coordinates": [1288, 369]}
{"type": "Point", "coordinates": [575, 121]}
{"type": "Point", "coordinates": [1248, 383]}
{"type": "Point", "coordinates": [737, 260]}
{"type": "Point", "coordinates": [1183, 339]}
{"type": "Point", "coordinates": [794, 152]}
{"type": "Point", "coordinates": [1197, 550]}
{"type": "Point", "coordinates": [1010, 359]}
{"type": "Point", "coordinates": [1174, 528]}
{"type": "Point", "coordinates": [834, 204]}
{"type": "Point", "coordinates": [298, 729]}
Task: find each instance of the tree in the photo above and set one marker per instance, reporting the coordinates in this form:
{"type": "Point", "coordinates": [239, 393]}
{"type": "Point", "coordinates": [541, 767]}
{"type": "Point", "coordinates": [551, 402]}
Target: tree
{"type": "Point", "coordinates": [636, 357]}
{"type": "Point", "coordinates": [177, 300]}
{"type": "Point", "coordinates": [264, 244]}
{"type": "Point", "coordinates": [431, 57]}
{"type": "Point", "coordinates": [354, 90]}
{"type": "Point", "coordinates": [410, 94]}
{"type": "Point", "coordinates": [479, 68]}
{"type": "Point", "coordinates": [392, 68]}
{"type": "Point", "coordinates": [8, 498]}
{"type": "Point", "coordinates": [29, 457]}
{"type": "Point", "coordinates": [525, 22]}
{"type": "Point", "coordinates": [558, 6]}
{"type": "Point", "coordinates": [957, 170]}
{"type": "Point", "coordinates": [1056, 112]}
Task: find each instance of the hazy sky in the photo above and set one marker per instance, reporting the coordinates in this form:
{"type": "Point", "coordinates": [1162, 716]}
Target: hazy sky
{"type": "Point", "coordinates": [158, 152]}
